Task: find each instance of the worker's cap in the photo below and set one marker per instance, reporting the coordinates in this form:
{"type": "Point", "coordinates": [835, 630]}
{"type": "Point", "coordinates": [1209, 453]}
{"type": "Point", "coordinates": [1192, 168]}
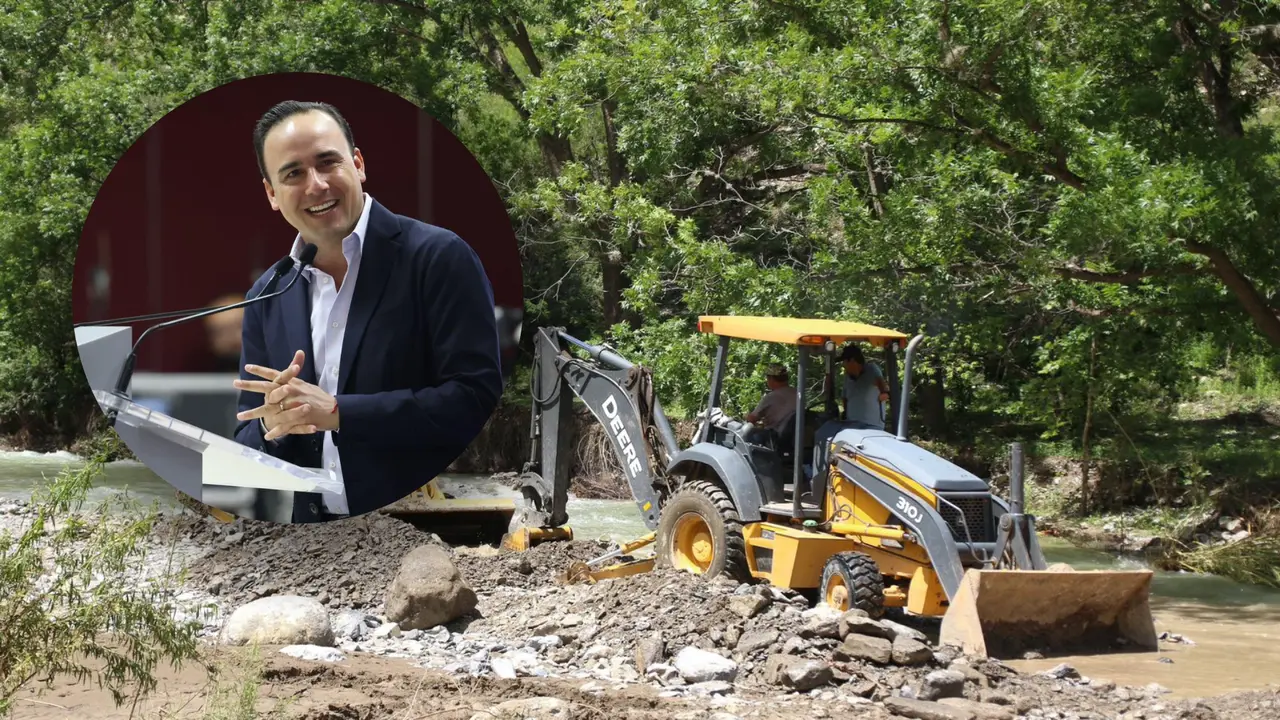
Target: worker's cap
{"type": "Point", "coordinates": [852, 352]}
{"type": "Point", "coordinates": [776, 370]}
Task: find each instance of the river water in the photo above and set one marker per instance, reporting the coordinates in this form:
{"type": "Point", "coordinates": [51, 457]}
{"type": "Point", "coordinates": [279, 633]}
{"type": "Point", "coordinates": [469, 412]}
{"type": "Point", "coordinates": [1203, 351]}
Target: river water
{"type": "Point", "coordinates": [1235, 627]}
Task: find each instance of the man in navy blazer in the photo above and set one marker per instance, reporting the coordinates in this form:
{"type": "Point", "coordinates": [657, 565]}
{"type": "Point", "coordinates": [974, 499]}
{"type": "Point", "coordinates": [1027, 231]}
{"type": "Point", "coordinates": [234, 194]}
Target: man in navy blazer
{"type": "Point", "coordinates": [382, 363]}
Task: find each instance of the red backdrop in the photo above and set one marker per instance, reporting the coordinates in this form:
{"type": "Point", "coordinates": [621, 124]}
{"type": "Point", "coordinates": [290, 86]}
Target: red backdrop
{"type": "Point", "coordinates": [183, 219]}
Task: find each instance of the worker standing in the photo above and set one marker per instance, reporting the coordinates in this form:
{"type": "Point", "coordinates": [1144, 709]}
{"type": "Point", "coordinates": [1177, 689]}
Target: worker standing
{"type": "Point", "coordinates": [862, 379]}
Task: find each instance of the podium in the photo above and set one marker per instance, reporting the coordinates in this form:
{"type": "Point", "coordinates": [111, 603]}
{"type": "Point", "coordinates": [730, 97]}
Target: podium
{"type": "Point", "coordinates": [213, 469]}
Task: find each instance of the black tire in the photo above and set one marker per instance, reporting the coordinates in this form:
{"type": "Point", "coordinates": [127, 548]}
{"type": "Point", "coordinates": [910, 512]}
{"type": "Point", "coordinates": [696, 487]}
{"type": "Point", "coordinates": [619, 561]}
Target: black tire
{"type": "Point", "coordinates": [712, 505]}
{"type": "Point", "coordinates": [862, 579]}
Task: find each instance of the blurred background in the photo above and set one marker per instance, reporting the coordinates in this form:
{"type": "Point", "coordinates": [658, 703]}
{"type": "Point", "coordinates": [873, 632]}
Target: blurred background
{"type": "Point", "coordinates": [183, 222]}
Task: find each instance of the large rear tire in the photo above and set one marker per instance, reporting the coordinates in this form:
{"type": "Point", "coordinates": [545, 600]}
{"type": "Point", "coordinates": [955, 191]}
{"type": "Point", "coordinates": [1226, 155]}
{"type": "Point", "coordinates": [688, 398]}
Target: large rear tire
{"type": "Point", "coordinates": [853, 580]}
{"type": "Point", "coordinates": [700, 532]}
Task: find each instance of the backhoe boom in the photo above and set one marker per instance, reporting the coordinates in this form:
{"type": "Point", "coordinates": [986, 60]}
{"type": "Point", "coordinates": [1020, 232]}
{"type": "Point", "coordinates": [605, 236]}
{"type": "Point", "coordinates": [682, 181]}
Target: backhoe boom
{"type": "Point", "coordinates": [620, 396]}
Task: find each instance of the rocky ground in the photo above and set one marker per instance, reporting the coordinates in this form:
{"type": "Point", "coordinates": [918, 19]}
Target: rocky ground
{"type": "Point", "coordinates": [502, 627]}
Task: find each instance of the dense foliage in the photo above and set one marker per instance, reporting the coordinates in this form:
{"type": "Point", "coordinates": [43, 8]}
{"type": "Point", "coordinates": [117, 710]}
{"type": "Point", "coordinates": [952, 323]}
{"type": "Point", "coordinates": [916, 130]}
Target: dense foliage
{"type": "Point", "coordinates": [1074, 200]}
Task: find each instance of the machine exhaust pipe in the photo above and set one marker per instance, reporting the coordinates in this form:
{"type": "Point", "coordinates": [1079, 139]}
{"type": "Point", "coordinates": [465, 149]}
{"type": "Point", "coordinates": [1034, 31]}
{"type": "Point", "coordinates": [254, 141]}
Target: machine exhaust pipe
{"type": "Point", "coordinates": [906, 387]}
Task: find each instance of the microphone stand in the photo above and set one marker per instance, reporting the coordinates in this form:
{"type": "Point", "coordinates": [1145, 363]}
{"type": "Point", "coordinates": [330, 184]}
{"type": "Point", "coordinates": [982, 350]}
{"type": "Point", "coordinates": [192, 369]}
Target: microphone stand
{"type": "Point", "coordinates": [126, 372]}
{"type": "Point", "coordinates": [282, 266]}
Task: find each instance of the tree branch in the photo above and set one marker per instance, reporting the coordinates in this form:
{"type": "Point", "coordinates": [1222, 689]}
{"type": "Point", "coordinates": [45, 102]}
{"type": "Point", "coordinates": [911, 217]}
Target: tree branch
{"type": "Point", "coordinates": [1057, 169]}
{"type": "Point", "coordinates": [1265, 317]}
{"type": "Point", "coordinates": [853, 122]}
{"type": "Point", "coordinates": [789, 171]}
{"type": "Point", "coordinates": [518, 34]}
{"type": "Point", "coordinates": [1215, 78]}
{"type": "Point", "coordinates": [1127, 277]}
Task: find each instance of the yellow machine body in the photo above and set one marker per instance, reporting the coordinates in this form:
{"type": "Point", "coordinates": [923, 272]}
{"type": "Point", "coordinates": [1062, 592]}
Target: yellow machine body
{"type": "Point", "coordinates": [996, 612]}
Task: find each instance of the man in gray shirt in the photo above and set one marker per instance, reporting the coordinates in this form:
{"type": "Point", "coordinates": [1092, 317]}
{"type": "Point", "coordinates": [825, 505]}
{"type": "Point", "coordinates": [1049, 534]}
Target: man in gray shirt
{"type": "Point", "coordinates": [865, 390]}
{"type": "Point", "coordinates": [864, 393]}
{"type": "Point", "coordinates": [778, 404]}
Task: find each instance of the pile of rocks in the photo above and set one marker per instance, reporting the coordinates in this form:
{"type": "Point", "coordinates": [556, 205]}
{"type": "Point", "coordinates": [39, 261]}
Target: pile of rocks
{"type": "Point", "coordinates": [345, 564]}
{"type": "Point", "coordinates": [682, 635]}
{"type": "Point", "coordinates": [15, 506]}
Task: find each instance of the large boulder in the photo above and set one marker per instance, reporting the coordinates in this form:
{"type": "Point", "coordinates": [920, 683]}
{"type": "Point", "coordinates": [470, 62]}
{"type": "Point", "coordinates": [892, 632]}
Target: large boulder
{"type": "Point", "coordinates": [865, 647]}
{"type": "Point", "coordinates": [800, 674]}
{"type": "Point", "coordinates": [822, 621]}
{"type": "Point", "coordinates": [279, 620]}
{"type": "Point", "coordinates": [942, 684]}
{"type": "Point", "coordinates": [696, 665]}
{"type": "Point", "coordinates": [649, 651]}
{"type": "Point", "coordinates": [350, 625]}
{"type": "Point", "coordinates": [428, 590]}
{"type": "Point", "coordinates": [910, 652]}
{"type": "Point", "coordinates": [748, 606]}
{"type": "Point", "coordinates": [856, 621]}
{"type": "Point", "coordinates": [754, 640]}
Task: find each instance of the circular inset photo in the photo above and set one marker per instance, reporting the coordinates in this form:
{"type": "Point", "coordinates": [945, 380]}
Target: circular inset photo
{"type": "Point", "coordinates": [296, 298]}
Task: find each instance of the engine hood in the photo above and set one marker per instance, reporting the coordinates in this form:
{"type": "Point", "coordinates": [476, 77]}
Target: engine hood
{"type": "Point", "coordinates": [911, 460]}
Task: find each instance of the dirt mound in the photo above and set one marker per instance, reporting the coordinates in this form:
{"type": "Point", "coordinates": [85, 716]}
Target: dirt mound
{"type": "Point", "coordinates": [344, 564]}
{"type": "Point", "coordinates": [540, 566]}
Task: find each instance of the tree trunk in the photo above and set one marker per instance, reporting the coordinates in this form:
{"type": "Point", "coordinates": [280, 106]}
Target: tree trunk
{"type": "Point", "coordinates": [1084, 440]}
{"type": "Point", "coordinates": [611, 272]}
{"type": "Point", "coordinates": [617, 166]}
{"type": "Point", "coordinates": [933, 402]}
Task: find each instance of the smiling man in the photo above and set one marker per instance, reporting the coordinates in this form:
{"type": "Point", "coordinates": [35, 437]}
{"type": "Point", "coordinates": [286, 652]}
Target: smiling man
{"type": "Point", "coordinates": [381, 364]}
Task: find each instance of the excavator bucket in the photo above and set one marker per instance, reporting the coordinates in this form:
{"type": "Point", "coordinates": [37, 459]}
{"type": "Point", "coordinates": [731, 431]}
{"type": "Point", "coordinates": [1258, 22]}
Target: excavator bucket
{"type": "Point", "coordinates": [1004, 613]}
{"type": "Point", "coordinates": [461, 510]}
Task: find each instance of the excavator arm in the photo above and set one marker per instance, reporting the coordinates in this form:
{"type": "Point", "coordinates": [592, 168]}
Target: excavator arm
{"type": "Point", "coordinates": [620, 396]}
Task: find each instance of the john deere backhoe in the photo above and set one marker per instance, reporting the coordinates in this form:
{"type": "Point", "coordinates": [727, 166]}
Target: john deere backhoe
{"type": "Point", "coordinates": [880, 523]}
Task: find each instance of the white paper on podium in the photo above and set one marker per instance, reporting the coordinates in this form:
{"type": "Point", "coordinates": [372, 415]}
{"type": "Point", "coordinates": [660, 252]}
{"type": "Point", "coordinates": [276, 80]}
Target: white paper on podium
{"type": "Point", "coordinates": [219, 467]}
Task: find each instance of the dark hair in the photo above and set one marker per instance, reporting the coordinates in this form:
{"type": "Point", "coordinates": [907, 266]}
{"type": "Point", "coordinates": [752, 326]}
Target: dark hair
{"type": "Point", "coordinates": [853, 352]}
{"type": "Point", "coordinates": [288, 109]}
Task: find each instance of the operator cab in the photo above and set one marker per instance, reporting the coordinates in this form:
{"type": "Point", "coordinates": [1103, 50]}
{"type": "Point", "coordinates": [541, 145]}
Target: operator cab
{"type": "Point", "coordinates": [784, 460]}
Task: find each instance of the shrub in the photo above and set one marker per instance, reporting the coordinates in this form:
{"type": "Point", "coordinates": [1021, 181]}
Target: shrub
{"type": "Point", "coordinates": [73, 601]}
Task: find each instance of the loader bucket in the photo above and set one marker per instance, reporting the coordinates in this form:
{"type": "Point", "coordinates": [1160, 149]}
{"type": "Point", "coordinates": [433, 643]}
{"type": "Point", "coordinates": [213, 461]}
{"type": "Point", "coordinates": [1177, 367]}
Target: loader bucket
{"type": "Point", "coordinates": [462, 510]}
{"type": "Point", "coordinates": [1004, 613]}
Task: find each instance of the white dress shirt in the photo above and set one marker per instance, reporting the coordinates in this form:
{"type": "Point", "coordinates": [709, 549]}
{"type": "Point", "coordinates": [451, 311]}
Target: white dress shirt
{"type": "Point", "coordinates": [329, 309]}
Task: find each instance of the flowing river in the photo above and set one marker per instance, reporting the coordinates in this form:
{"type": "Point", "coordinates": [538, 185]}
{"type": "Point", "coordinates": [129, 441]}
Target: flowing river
{"type": "Point", "coordinates": [1235, 627]}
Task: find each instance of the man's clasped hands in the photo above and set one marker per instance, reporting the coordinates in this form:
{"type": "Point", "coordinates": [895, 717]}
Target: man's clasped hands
{"type": "Point", "coordinates": [290, 406]}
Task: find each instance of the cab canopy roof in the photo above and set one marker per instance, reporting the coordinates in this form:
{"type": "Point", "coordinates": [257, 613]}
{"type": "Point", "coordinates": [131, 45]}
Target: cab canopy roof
{"type": "Point", "coordinates": [795, 331]}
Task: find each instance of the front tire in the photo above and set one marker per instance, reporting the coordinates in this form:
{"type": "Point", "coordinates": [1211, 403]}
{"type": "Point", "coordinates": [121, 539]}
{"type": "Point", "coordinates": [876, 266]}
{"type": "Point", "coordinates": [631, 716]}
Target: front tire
{"type": "Point", "coordinates": [852, 580]}
{"type": "Point", "coordinates": [700, 532]}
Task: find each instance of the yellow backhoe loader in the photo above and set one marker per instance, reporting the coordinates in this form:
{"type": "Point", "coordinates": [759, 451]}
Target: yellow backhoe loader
{"type": "Point", "coordinates": [872, 521]}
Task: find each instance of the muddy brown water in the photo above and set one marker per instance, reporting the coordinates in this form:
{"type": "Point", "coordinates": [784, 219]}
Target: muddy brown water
{"type": "Point", "coordinates": [1235, 627]}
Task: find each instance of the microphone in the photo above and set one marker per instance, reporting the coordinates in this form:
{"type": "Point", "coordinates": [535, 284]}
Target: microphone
{"type": "Point", "coordinates": [286, 263]}
{"type": "Point", "coordinates": [126, 373]}
{"type": "Point", "coordinates": [280, 267]}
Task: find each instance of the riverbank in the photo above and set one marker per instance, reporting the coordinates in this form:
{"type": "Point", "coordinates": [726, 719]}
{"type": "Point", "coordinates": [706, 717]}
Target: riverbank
{"type": "Point", "coordinates": [658, 645]}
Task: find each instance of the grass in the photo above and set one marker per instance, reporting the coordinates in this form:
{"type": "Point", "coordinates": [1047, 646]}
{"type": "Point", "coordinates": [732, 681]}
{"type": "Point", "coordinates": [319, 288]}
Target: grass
{"type": "Point", "coordinates": [1253, 560]}
{"type": "Point", "coordinates": [236, 689]}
